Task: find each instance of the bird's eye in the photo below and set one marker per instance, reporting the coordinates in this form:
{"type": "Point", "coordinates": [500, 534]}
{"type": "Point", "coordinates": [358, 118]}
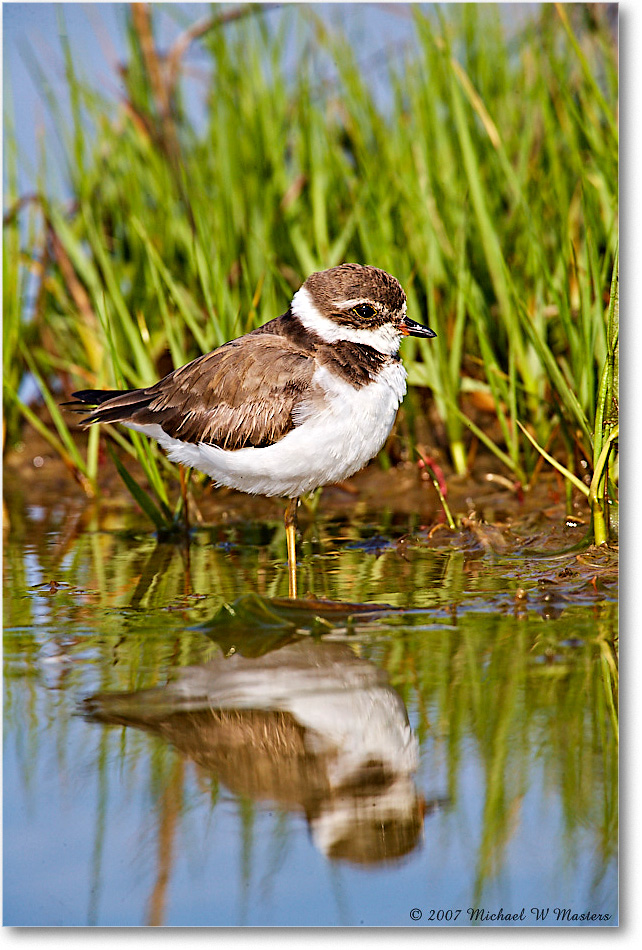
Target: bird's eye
{"type": "Point", "coordinates": [364, 310]}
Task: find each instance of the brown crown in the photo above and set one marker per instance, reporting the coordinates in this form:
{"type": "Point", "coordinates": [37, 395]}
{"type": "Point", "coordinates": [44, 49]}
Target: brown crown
{"type": "Point", "coordinates": [330, 288]}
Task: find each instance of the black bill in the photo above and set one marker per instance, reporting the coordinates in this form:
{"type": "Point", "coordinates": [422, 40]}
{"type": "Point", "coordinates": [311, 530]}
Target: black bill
{"type": "Point", "coordinates": [412, 328]}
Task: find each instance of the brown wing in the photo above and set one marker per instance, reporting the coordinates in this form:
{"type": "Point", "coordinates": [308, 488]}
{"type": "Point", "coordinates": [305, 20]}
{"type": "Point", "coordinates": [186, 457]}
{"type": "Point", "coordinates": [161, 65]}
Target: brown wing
{"type": "Point", "coordinates": [241, 394]}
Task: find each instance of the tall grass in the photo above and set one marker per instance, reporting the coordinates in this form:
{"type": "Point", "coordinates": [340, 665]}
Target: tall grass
{"type": "Point", "coordinates": [487, 185]}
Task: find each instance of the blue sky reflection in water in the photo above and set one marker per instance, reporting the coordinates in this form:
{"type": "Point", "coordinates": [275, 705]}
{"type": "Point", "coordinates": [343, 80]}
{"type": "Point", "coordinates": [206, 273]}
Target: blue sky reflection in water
{"type": "Point", "coordinates": [223, 799]}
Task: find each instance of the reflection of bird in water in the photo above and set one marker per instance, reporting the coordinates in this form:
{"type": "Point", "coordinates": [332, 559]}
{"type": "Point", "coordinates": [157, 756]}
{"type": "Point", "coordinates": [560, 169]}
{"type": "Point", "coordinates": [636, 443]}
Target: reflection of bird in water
{"type": "Point", "coordinates": [310, 726]}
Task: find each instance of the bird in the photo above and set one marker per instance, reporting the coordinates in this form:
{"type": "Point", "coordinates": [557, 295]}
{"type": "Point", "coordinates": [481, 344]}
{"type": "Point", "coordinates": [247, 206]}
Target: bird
{"type": "Point", "coordinates": [305, 400]}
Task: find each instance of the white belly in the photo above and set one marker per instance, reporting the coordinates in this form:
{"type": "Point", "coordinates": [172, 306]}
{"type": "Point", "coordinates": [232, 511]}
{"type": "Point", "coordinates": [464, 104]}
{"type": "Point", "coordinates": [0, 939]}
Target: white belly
{"type": "Point", "coordinates": [329, 442]}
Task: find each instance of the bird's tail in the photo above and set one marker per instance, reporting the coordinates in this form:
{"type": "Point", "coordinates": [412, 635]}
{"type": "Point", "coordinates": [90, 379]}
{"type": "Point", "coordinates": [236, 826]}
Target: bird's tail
{"type": "Point", "coordinates": [110, 405]}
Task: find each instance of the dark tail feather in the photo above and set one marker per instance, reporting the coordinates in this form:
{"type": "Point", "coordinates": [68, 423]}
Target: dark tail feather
{"type": "Point", "coordinates": [113, 405]}
{"type": "Point", "coordinates": [94, 397]}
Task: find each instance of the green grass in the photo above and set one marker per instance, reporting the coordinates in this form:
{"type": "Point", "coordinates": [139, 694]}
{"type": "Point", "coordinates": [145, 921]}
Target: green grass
{"type": "Point", "coordinates": [488, 186]}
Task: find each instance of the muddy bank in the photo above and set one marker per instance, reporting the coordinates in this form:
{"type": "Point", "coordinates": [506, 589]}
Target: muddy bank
{"type": "Point", "coordinates": [398, 510]}
{"type": "Point", "coordinates": [35, 475]}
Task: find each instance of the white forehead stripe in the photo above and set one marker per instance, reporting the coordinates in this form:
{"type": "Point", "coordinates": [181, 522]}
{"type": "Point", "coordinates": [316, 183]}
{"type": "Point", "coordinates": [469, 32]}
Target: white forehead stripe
{"type": "Point", "coordinates": [384, 339]}
{"type": "Point", "coordinates": [348, 304]}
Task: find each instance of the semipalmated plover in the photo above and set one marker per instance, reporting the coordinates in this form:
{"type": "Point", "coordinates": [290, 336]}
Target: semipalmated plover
{"type": "Point", "coordinates": [304, 400]}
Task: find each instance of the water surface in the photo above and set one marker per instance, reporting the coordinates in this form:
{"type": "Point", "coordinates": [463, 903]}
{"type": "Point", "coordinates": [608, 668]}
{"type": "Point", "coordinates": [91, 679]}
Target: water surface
{"type": "Point", "coordinates": [430, 740]}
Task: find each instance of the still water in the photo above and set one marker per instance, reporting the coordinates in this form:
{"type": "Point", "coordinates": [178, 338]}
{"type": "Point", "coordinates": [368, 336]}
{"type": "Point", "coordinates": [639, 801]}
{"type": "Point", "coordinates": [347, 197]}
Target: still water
{"type": "Point", "coordinates": [428, 739]}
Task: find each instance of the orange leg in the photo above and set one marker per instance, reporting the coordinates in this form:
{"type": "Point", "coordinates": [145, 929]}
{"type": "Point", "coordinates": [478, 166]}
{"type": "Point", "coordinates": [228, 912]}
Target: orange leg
{"type": "Point", "coordinates": [184, 477]}
{"type": "Point", "coordinates": [290, 536]}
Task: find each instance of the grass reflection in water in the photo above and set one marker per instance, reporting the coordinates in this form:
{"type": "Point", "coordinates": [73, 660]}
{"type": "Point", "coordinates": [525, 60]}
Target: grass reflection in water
{"type": "Point", "coordinates": [474, 700]}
